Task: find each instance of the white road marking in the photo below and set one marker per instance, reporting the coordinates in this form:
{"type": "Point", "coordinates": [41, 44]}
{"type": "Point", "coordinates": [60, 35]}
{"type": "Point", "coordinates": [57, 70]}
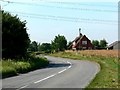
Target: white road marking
{"type": "Point", "coordinates": [49, 76]}
{"type": "Point", "coordinates": [62, 71]}
{"type": "Point", "coordinates": [54, 74]}
{"type": "Point", "coordinates": [70, 64]}
{"type": "Point", "coordinates": [45, 78]}
{"type": "Point", "coordinates": [69, 67]}
{"type": "Point", "coordinates": [22, 87]}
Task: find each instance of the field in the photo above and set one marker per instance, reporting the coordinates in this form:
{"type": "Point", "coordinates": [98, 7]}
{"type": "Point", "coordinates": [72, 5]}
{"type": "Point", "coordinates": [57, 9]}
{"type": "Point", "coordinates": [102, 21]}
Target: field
{"type": "Point", "coordinates": [104, 53]}
{"type": "Point", "coordinates": [108, 60]}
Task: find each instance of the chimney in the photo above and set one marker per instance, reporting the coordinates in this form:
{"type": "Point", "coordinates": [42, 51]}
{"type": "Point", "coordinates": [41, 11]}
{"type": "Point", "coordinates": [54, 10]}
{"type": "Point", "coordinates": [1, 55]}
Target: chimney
{"type": "Point", "coordinates": [80, 34]}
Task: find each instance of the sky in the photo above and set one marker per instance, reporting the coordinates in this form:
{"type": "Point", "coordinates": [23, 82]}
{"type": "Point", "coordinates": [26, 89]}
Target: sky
{"type": "Point", "coordinates": [48, 18]}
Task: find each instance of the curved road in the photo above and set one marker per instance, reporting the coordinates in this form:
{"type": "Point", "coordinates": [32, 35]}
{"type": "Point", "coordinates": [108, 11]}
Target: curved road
{"type": "Point", "coordinates": [61, 73]}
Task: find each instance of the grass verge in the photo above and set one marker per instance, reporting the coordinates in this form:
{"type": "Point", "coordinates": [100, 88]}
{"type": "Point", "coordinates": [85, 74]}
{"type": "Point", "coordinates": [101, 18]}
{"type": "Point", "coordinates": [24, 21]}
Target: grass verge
{"type": "Point", "coordinates": [15, 67]}
{"type": "Point", "coordinates": [108, 75]}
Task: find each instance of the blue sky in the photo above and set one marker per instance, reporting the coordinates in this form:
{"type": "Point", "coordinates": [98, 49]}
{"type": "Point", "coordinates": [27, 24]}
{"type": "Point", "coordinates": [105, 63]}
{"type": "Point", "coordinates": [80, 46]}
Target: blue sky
{"type": "Point", "coordinates": [48, 18]}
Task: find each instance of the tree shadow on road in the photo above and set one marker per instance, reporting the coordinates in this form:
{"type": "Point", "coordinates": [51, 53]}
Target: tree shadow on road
{"type": "Point", "coordinates": [57, 65]}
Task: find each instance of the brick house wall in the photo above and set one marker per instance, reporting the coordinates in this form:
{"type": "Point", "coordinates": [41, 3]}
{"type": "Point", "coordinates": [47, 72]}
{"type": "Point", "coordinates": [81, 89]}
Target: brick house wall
{"type": "Point", "coordinates": [84, 43]}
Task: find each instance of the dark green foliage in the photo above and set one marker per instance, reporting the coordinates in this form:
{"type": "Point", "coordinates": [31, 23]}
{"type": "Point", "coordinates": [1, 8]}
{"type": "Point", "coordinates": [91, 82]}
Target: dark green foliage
{"type": "Point", "coordinates": [33, 47]}
{"type": "Point", "coordinates": [38, 62]}
{"type": "Point", "coordinates": [96, 43]}
{"type": "Point", "coordinates": [59, 43]}
{"type": "Point", "coordinates": [103, 43]}
{"type": "Point", "coordinates": [100, 44]}
{"type": "Point", "coordinates": [15, 39]}
{"type": "Point", "coordinates": [46, 47]}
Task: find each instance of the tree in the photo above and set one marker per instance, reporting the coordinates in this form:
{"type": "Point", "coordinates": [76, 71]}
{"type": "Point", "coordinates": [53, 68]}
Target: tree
{"type": "Point", "coordinates": [103, 43]}
{"type": "Point", "coordinates": [95, 43]}
{"type": "Point", "coordinates": [59, 43]}
{"type": "Point", "coordinates": [46, 47]}
{"type": "Point", "coordinates": [33, 46]}
{"type": "Point", "coordinates": [15, 39]}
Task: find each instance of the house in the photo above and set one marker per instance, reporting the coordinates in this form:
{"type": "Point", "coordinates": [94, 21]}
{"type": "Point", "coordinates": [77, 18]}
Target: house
{"type": "Point", "coordinates": [114, 46]}
{"type": "Point", "coordinates": [81, 43]}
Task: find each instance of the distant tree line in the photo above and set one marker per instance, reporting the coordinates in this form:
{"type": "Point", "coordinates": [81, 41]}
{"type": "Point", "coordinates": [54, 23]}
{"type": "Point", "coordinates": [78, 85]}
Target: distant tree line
{"type": "Point", "coordinates": [102, 44]}
{"type": "Point", "coordinates": [58, 44]}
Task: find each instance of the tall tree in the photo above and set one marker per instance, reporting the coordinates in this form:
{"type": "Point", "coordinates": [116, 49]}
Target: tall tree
{"type": "Point", "coordinates": [95, 43]}
{"type": "Point", "coordinates": [103, 43]}
{"type": "Point", "coordinates": [15, 39]}
{"type": "Point", "coordinates": [59, 43]}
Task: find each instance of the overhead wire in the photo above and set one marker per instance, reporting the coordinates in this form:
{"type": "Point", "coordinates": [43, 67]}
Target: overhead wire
{"type": "Point", "coordinates": [61, 7]}
{"type": "Point", "coordinates": [74, 3]}
{"type": "Point", "coordinates": [63, 18]}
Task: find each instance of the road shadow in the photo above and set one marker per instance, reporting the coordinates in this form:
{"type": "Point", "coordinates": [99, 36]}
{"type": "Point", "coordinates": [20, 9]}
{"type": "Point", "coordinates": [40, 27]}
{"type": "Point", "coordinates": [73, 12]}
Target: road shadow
{"type": "Point", "coordinates": [57, 65]}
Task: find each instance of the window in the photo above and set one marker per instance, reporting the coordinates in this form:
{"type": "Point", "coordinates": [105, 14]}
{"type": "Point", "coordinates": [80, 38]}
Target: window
{"type": "Point", "coordinates": [84, 42]}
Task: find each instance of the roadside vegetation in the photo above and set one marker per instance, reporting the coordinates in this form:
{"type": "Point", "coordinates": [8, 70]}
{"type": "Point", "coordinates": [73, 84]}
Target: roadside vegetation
{"type": "Point", "coordinates": [12, 67]}
{"type": "Point", "coordinates": [108, 60]}
{"type": "Point", "coordinates": [15, 43]}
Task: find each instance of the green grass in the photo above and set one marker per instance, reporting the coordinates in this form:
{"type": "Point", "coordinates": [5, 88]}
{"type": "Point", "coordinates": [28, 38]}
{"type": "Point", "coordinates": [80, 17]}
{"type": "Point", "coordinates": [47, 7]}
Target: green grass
{"type": "Point", "coordinates": [15, 67]}
{"type": "Point", "coordinates": [108, 75]}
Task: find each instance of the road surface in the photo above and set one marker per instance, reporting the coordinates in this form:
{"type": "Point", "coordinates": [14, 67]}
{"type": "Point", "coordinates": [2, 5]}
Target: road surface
{"type": "Point", "coordinates": [61, 73]}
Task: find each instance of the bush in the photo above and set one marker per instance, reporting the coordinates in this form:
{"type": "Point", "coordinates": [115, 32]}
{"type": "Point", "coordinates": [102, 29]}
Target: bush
{"type": "Point", "coordinates": [15, 39]}
{"type": "Point", "coordinates": [8, 71]}
{"type": "Point", "coordinates": [14, 67]}
{"type": "Point", "coordinates": [22, 67]}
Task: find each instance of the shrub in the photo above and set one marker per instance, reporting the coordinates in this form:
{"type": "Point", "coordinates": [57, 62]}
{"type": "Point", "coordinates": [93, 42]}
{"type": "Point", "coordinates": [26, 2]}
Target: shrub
{"type": "Point", "coordinates": [14, 67]}
{"type": "Point", "coordinates": [8, 71]}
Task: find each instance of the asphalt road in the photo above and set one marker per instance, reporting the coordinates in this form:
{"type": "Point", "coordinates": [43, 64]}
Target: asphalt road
{"type": "Point", "coordinates": [61, 73]}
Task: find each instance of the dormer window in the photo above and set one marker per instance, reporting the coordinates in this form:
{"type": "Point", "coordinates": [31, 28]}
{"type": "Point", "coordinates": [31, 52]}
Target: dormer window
{"type": "Point", "coordinates": [84, 42]}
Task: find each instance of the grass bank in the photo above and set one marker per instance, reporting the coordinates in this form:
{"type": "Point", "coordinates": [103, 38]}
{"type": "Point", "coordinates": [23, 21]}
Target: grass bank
{"type": "Point", "coordinates": [15, 67]}
{"type": "Point", "coordinates": [108, 60]}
